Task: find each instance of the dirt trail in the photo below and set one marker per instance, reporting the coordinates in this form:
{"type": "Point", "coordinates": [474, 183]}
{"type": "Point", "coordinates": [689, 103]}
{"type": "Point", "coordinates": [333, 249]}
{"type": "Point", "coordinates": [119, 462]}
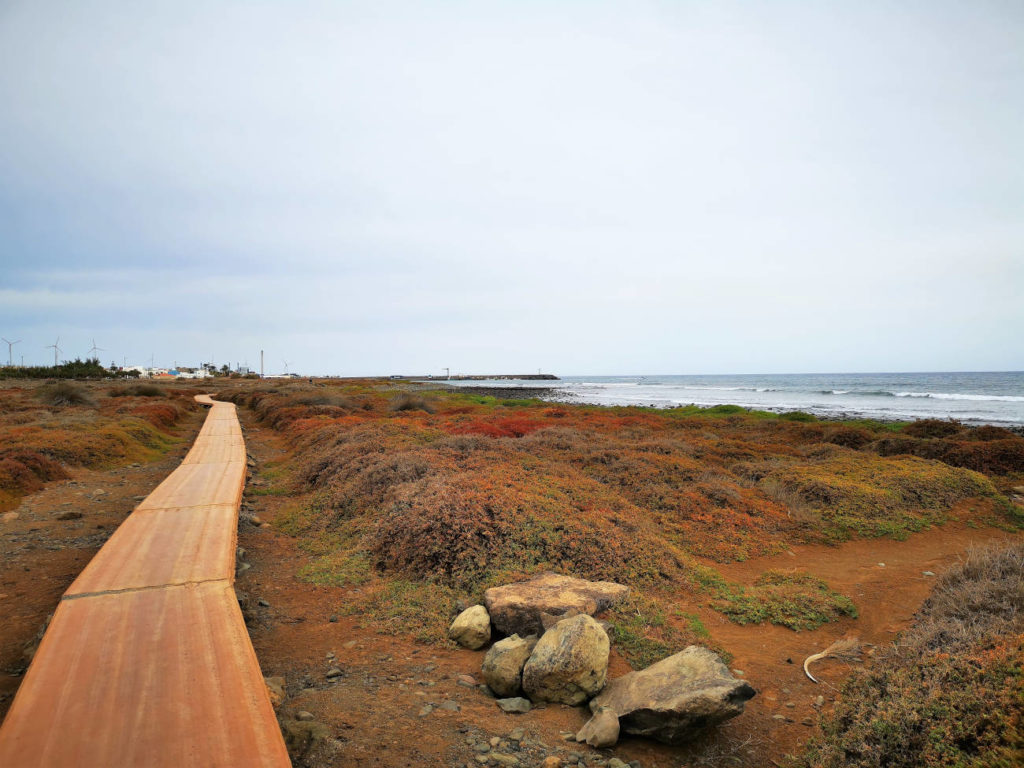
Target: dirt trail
{"type": "Point", "coordinates": [887, 582]}
{"type": "Point", "coordinates": [376, 706]}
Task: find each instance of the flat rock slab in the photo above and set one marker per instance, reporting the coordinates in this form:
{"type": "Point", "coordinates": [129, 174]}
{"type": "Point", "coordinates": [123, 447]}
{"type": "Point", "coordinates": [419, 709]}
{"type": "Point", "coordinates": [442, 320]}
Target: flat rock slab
{"type": "Point", "coordinates": [521, 608]}
{"type": "Point", "coordinates": [676, 699]}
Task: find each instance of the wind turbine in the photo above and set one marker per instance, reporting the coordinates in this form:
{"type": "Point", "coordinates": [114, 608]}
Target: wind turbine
{"type": "Point", "coordinates": [10, 346]}
{"type": "Point", "coordinates": [95, 349]}
{"type": "Point", "coordinates": [56, 350]}
{"type": "Point", "coordinates": [285, 367]}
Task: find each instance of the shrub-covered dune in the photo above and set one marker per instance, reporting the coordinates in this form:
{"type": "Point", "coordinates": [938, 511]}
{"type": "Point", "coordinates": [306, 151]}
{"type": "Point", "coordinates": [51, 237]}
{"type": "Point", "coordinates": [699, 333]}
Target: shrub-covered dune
{"type": "Point", "coordinates": [455, 492]}
{"type": "Point", "coordinates": [47, 429]}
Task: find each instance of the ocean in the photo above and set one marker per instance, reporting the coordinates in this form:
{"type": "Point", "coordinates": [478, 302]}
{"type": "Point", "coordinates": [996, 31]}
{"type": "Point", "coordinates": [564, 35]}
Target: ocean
{"type": "Point", "coordinates": [973, 398]}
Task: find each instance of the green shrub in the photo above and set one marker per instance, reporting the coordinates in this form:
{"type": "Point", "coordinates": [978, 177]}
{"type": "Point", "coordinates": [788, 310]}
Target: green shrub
{"type": "Point", "coordinates": [63, 393]}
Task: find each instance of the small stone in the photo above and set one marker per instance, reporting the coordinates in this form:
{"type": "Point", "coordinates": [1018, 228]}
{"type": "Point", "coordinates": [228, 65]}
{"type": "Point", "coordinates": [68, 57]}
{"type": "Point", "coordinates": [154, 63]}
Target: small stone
{"type": "Point", "coordinates": [10, 517]}
{"type": "Point", "coordinates": [927, 573]}
{"type": "Point", "coordinates": [494, 741]}
{"type": "Point", "coordinates": [350, 644]}
{"type": "Point", "coordinates": [881, 565]}
{"type": "Point", "coordinates": [256, 520]}
{"type": "Point", "coordinates": [263, 603]}
{"type": "Point", "coordinates": [275, 689]}
{"type": "Point", "coordinates": [819, 702]}
{"type": "Point", "coordinates": [807, 721]}
{"type": "Point", "coordinates": [471, 628]}
{"type": "Point", "coordinates": [243, 567]}
{"type": "Point", "coordinates": [467, 681]}
{"type": "Point", "coordinates": [67, 515]}
{"type": "Point", "coordinates": [551, 762]}
{"type": "Point", "coordinates": [333, 619]}
{"type": "Point", "coordinates": [739, 673]}
{"type": "Point", "coordinates": [333, 672]}
{"type": "Point", "coordinates": [304, 716]}
{"type": "Point", "coordinates": [482, 747]}
{"type": "Point", "coordinates": [778, 717]}
{"type": "Point", "coordinates": [502, 759]}
{"type": "Point", "coordinates": [451, 706]}
{"type": "Point", "coordinates": [602, 730]}
{"type": "Point", "coordinates": [567, 735]}
{"type": "Point", "coordinates": [517, 734]}
{"type": "Point", "coordinates": [790, 704]}
{"type": "Point", "coordinates": [426, 710]}
{"type": "Point", "coordinates": [514, 706]}
{"type": "Point", "coordinates": [482, 759]}
{"type": "Point", "coordinates": [616, 763]}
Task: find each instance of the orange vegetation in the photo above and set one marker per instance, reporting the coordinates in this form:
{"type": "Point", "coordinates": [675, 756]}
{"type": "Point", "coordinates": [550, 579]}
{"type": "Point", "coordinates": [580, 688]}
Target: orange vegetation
{"type": "Point", "coordinates": [463, 491]}
{"type": "Point", "coordinates": [39, 440]}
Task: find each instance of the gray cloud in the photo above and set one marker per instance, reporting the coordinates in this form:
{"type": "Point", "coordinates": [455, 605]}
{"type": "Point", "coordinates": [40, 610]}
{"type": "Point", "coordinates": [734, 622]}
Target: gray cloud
{"type": "Point", "coordinates": [623, 187]}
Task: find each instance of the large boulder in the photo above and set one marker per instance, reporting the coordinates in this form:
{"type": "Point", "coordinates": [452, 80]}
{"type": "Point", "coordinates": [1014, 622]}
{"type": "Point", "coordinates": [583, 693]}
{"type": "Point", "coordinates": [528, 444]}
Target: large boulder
{"type": "Point", "coordinates": [471, 628]}
{"type": "Point", "coordinates": [520, 608]}
{"type": "Point", "coordinates": [569, 663]}
{"type": "Point", "coordinates": [674, 700]}
{"type": "Point", "coordinates": [503, 664]}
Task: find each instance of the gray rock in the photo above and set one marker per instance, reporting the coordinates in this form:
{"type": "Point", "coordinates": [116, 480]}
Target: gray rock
{"type": "Point", "coordinates": [334, 672]}
{"type": "Point", "coordinates": [569, 664]}
{"type": "Point", "coordinates": [602, 730]}
{"type": "Point", "coordinates": [677, 698]}
{"type": "Point", "coordinates": [471, 628]}
{"type": "Point", "coordinates": [304, 716]}
{"type": "Point", "coordinates": [503, 664]}
{"type": "Point", "coordinates": [520, 608]}
{"type": "Point", "coordinates": [515, 706]}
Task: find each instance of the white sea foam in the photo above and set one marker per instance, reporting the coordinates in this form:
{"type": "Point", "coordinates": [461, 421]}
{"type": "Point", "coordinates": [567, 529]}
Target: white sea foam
{"type": "Point", "coordinates": [961, 396]}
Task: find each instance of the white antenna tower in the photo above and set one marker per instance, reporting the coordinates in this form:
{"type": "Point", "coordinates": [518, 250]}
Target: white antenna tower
{"type": "Point", "coordinates": [56, 350]}
{"type": "Point", "coordinates": [285, 367]}
{"type": "Point", "coordinates": [10, 346]}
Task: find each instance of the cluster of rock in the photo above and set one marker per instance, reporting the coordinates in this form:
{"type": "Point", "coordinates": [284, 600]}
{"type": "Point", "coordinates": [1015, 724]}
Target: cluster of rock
{"type": "Point", "coordinates": [556, 651]}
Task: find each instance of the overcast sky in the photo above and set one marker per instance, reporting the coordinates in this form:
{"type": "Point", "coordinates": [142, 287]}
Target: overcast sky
{"type": "Point", "coordinates": [578, 187]}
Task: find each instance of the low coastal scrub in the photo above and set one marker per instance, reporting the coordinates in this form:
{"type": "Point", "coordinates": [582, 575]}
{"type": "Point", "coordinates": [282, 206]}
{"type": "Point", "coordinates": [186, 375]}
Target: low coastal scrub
{"type": "Point", "coordinates": [798, 601]}
{"type": "Point", "coordinates": [950, 692]}
{"type": "Point", "coordinates": [459, 492]}
{"type": "Point", "coordinates": [47, 430]}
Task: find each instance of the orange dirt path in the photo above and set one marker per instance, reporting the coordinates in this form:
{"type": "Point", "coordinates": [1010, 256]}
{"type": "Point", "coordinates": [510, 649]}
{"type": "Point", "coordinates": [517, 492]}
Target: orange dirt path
{"type": "Point", "coordinates": [147, 659]}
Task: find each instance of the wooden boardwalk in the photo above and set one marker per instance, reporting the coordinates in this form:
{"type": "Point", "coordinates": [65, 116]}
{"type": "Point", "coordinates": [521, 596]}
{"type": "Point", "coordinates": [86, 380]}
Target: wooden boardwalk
{"type": "Point", "coordinates": [147, 661]}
